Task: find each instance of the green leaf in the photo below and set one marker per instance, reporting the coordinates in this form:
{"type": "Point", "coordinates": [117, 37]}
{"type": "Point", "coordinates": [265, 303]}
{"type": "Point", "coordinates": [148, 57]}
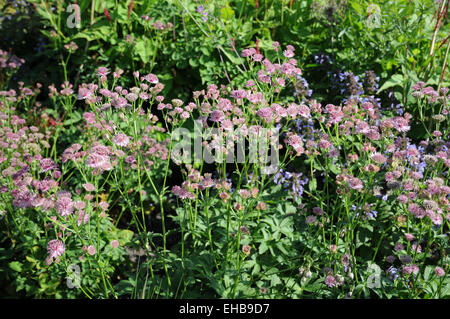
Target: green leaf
{"type": "Point", "coordinates": [16, 266]}
{"type": "Point", "coordinates": [31, 259]}
{"type": "Point", "coordinates": [445, 291]}
{"type": "Point", "coordinates": [312, 185]}
{"type": "Point", "coordinates": [336, 170]}
{"type": "Point", "coordinates": [226, 12]}
{"type": "Point", "coordinates": [395, 80]}
{"type": "Point", "coordinates": [193, 62]}
{"type": "Point", "coordinates": [125, 236]}
{"type": "Point", "coordinates": [263, 248]}
{"type": "Point", "coordinates": [356, 6]}
{"type": "Point", "coordinates": [275, 280]}
{"type": "Point", "coordinates": [144, 49]}
{"type": "Point", "coordinates": [427, 273]}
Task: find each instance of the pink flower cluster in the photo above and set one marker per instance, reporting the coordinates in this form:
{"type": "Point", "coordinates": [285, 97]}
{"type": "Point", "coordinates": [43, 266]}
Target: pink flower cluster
{"type": "Point", "coordinates": [98, 157]}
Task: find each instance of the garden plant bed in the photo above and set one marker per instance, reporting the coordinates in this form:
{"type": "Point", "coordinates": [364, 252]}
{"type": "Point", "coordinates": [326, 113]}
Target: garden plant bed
{"type": "Point", "coordinates": [277, 149]}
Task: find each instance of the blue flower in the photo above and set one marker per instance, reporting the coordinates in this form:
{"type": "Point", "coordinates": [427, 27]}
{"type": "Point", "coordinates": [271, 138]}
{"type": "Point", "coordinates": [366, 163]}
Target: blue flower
{"type": "Point", "coordinates": [393, 273]}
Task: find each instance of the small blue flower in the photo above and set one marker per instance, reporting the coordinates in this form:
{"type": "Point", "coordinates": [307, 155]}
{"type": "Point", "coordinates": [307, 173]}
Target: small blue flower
{"type": "Point", "coordinates": [393, 273]}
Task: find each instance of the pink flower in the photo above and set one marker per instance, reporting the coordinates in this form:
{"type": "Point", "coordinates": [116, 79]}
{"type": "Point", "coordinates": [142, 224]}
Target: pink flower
{"type": "Point", "coordinates": [238, 94]}
{"type": "Point", "coordinates": [121, 140]}
{"type": "Point", "coordinates": [82, 218]}
{"type": "Point", "coordinates": [280, 81]}
{"type": "Point", "coordinates": [118, 73]}
{"type": "Point", "coordinates": [401, 124]}
{"type": "Point", "coordinates": [185, 115]}
{"type": "Point", "coordinates": [55, 248]}
{"type": "Point", "coordinates": [336, 116]}
{"type": "Point", "coordinates": [114, 243]}
{"type": "Point", "coordinates": [279, 111]}
{"type": "Point", "coordinates": [318, 211]}
{"type": "Point", "coordinates": [353, 157]}
{"type": "Point", "coordinates": [182, 193]}
{"type": "Point", "coordinates": [91, 250]}
{"type": "Point", "coordinates": [217, 116]}
{"type": "Point", "coordinates": [84, 93]}
{"type": "Point", "coordinates": [324, 144]}
{"type": "Point", "coordinates": [311, 219]}
{"type": "Point", "coordinates": [64, 206]}
{"type": "Point", "coordinates": [119, 102]}
{"type": "Point", "coordinates": [334, 153]}
{"type": "Point", "coordinates": [436, 218]}
{"type": "Point", "coordinates": [97, 161]}
{"type": "Point", "coordinates": [79, 205]}
{"type": "Point", "coordinates": [47, 164]}
{"type": "Point", "coordinates": [246, 249]}
{"type": "Point", "coordinates": [244, 193]}
{"type": "Point", "coordinates": [416, 210]}
{"type": "Point", "coordinates": [439, 271]}
{"type": "Point", "coordinates": [151, 78]}
{"type": "Point", "coordinates": [402, 199]}
{"type": "Point", "coordinates": [89, 117]}
{"type": "Point", "coordinates": [266, 113]}
{"type": "Point", "coordinates": [276, 45]}
{"type": "Point", "coordinates": [22, 199]}
{"type": "Point", "coordinates": [409, 269]}
{"type": "Point", "coordinates": [418, 86]}
{"type": "Point", "coordinates": [248, 52]}
{"type": "Point", "coordinates": [99, 157]}
{"type": "Point", "coordinates": [102, 71]}
{"type": "Point", "coordinates": [293, 110]}
{"type": "Point", "coordinates": [104, 205]}
{"type": "Point", "coordinates": [373, 134]}
{"type": "Point", "coordinates": [257, 57]}
{"type": "Point", "coordinates": [355, 183]}
{"type": "Point", "coordinates": [250, 83]}
{"type": "Point", "coordinates": [131, 97]}
{"type": "Point", "coordinates": [330, 281]}
{"type": "Point", "coordinates": [303, 111]}
{"type": "Point", "coordinates": [130, 159]}
{"type": "Point", "coordinates": [378, 158]}
{"type": "Point", "coordinates": [89, 187]}
{"type": "Point", "coordinates": [416, 248]}
{"type": "Point", "coordinates": [288, 53]}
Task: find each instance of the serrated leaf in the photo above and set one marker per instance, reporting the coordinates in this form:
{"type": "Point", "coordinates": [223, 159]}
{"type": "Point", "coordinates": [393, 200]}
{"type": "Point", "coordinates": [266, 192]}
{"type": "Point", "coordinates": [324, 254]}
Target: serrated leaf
{"type": "Point", "coordinates": [427, 273]}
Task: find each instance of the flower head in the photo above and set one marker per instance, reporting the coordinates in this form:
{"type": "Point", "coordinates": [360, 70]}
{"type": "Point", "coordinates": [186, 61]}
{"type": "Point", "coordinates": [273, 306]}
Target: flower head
{"type": "Point", "coordinates": [102, 71]}
{"type": "Point", "coordinates": [121, 140]}
{"type": "Point", "coordinates": [439, 271]}
{"type": "Point", "coordinates": [55, 248]}
{"type": "Point", "coordinates": [64, 206]}
{"type": "Point", "coordinates": [330, 281]}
